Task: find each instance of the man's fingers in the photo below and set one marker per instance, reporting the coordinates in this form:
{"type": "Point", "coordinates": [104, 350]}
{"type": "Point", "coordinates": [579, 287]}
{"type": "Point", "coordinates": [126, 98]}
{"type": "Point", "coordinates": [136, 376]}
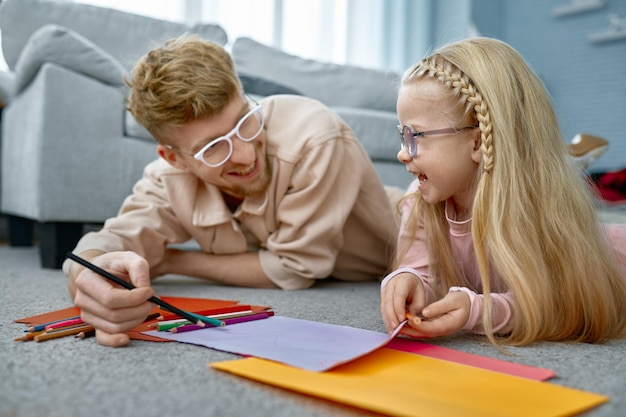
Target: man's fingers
{"type": "Point", "coordinates": [116, 321]}
{"type": "Point", "coordinates": [112, 340]}
{"type": "Point", "coordinates": [106, 294]}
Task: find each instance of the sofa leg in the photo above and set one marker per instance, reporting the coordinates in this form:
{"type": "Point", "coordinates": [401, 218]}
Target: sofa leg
{"type": "Point", "coordinates": [55, 240]}
{"type": "Point", "coordinates": [20, 231]}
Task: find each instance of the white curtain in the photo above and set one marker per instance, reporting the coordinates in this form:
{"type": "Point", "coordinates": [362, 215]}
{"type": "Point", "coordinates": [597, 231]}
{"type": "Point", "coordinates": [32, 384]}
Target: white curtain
{"type": "Point", "coordinates": [383, 34]}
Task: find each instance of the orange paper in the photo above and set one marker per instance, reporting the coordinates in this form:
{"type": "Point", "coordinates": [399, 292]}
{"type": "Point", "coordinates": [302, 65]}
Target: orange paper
{"type": "Point", "coordinates": [405, 384]}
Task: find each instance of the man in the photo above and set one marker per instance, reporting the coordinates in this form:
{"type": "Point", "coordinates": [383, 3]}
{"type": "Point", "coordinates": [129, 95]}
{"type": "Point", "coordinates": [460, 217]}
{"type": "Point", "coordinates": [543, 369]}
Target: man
{"type": "Point", "coordinates": [276, 194]}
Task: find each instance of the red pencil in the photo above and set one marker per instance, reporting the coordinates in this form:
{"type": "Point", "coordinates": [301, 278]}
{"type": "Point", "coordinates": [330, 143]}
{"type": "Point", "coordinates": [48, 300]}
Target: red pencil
{"type": "Point", "coordinates": [64, 323]}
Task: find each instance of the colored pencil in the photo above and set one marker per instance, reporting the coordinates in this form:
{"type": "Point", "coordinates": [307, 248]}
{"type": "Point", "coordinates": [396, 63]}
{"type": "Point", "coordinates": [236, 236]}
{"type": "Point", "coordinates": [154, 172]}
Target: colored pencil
{"type": "Point", "coordinates": [413, 318]}
{"type": "Point", "coordinates": [65, 323]}
{"type": "Point", "coordinates": [153, 316]}
{"type": "Point", "coordinates": [28, 336]}
{"type": "Point", "coordinates": [251, 317]}
{"type": "Point", "coordinates": [169, 324]}
{"type": "Point", "coordinates": [215, 316]}
{"type": "Point", "coordinates": [163, 304]}
{"type": "Point", "coordinates": [80, 329]}
{"type": "Point", "coordinates": [234, 320]}
{"type": "Point", "coordinates": [214, 312]}
{"type": "Point", "coordinates": [208, 320]}
{"type": "Point", "coordinates": [62, 333]}
{"type": "Point", "coordinates": [162, 327]}
{"type": "Point", "coordinates": [40, 327]}
{"type": "Point", "coordinates": [86, 334]}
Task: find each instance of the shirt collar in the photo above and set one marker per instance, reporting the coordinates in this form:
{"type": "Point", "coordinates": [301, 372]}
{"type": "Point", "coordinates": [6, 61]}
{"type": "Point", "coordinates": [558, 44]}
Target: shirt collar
{"type": "Point", "coordinates": [457, 228]}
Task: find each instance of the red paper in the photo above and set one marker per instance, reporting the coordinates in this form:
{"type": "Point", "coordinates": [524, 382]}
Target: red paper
{"type": "Point", "coordinates": [451, 355]}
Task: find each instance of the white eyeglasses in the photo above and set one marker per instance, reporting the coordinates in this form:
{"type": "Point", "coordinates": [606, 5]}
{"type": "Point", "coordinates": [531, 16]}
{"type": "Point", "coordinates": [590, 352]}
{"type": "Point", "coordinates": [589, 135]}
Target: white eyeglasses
{"type": "Point", "coordinates": [219, 150]}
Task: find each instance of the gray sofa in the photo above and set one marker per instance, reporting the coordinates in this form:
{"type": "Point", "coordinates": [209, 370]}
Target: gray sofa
{"type": "Point", "coordinates": [71, 152]}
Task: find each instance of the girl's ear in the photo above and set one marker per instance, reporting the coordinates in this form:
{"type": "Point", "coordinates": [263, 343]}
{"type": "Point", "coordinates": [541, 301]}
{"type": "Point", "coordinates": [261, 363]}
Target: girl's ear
{"type": "Point", "coordinates": [477, 154]}
{"type": "Point", "coordinates": [171, 157]}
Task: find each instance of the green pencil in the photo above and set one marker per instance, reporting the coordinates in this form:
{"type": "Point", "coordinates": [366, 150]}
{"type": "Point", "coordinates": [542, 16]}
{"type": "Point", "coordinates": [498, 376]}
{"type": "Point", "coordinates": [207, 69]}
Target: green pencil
{"type": "Point", "coordinates": [208, 320]}
{"type": "Point", "coordinates": [166, 326]}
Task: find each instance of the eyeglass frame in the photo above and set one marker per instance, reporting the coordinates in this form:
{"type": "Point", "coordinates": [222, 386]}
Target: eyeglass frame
{"type": "Point", "coordinates": [228, 138]}
{"type": "Point", "coordinates": [415, 135]}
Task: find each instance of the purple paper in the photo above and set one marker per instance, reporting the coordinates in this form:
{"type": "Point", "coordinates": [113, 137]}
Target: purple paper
{"type": "Point", "coordinates": [302, 343]}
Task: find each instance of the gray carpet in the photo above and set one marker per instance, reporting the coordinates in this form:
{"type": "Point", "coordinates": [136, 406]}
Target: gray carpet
{"type": "Point", "coordinates": [70, 377]}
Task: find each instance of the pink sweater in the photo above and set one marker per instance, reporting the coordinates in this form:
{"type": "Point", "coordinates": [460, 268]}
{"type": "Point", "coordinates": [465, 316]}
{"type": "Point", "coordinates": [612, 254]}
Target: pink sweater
{"type": "Point", "coordinates": [417, 260]}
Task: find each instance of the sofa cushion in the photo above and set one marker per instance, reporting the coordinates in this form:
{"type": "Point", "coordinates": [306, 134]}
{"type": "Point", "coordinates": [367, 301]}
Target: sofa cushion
{"type": "Point", "coordinates": [332, 84]}
{"type": "Point", "coordinates": [7, 87]}
{"type": "Point", "coordinates": [61, 46]}
{"type": "Point", "coordinates": [125, 36]}
{"type": "Point", "coordinates": [135, 130]}
{"type": "Point", "coordinates": [375, 129]}
{"type": "Point", "coordinates": [258, 86]}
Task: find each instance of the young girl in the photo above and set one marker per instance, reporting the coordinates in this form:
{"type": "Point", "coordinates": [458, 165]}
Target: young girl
{"type": "Point", "coordinates": [499, 231]}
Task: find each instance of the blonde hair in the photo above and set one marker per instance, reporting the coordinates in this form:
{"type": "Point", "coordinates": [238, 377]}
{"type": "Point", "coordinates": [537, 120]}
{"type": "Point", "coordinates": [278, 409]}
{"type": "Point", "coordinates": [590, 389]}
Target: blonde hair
{"type": "Point", "coordinates": [185, 79]}
{"type": "Point", "coordinates": [534, 220]}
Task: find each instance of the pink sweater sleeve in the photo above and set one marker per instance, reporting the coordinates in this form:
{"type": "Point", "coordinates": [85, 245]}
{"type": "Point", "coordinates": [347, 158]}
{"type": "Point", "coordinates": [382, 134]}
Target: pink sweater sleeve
{"type": "Point", "coordinates": [501, 311]}
{"type": "Point", "coordinates": [416, 261]}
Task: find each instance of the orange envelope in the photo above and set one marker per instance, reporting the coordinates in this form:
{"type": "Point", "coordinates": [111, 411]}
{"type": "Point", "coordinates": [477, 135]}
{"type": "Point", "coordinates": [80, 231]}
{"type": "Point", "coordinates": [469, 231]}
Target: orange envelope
{"type": "Point", "coordinates": [405, 384]}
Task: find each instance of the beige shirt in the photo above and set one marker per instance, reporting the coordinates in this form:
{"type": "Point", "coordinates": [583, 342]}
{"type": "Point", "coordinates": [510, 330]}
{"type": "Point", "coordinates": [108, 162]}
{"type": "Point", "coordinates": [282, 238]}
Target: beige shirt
{"type": "Point", "coordinates": [325, 212]}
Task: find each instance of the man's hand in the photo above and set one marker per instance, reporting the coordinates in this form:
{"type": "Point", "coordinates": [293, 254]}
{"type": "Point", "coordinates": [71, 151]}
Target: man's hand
{"type": "Point", "coordinates": [110, 309]}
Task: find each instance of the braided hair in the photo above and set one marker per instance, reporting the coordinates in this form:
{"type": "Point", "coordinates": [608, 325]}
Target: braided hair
{"type": "Point", "coordinates": [534, 222]}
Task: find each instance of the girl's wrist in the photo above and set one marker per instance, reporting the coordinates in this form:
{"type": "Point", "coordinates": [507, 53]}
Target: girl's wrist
{"type": "Point", "coordinates": [395, 273]}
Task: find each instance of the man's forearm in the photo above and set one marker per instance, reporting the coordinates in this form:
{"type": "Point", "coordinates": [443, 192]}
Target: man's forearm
{"type": "Point", "coordinates": [242, 269]}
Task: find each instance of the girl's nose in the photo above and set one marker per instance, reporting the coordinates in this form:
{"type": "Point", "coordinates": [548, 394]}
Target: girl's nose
{"type": "Point", "coordinates": [403, 156]}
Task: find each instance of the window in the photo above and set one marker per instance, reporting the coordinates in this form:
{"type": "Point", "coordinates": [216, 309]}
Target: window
{"type": "Point", "coordinates": [313, 29]}
{"type": "Point", "coordinates": [387, 35]}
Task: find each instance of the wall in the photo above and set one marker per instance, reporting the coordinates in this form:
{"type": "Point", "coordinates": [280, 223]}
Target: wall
{"type": "Point", "coordinates": [586, 80]}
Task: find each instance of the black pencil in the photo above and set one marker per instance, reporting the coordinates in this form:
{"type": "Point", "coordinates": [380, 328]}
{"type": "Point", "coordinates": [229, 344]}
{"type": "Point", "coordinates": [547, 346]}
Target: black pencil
{"type": "Point", "coordinates": [129, 286]}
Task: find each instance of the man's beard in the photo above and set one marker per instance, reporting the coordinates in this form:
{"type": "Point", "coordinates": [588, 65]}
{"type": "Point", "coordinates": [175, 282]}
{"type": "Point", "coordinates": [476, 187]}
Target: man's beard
{"type": "Point", "coordinates": [259, 186]}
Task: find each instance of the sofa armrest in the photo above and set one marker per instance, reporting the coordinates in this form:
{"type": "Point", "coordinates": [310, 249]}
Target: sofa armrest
{"type": "Point", "coordinates": [7, 87]}
{"type": "Point", "coordinates": [63, 141]}
{"type": "Point", "coordinates": [66, 48]}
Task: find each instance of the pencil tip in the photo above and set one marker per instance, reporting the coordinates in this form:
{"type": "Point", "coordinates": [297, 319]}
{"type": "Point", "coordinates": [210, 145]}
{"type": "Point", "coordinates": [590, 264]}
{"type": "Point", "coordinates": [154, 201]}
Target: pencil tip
{"type": "Point", "coordinates": [201, 323]}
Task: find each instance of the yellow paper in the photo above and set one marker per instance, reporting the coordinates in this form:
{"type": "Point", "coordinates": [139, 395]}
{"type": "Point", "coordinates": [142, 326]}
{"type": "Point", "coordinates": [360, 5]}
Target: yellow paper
{"type": "Point", "coordinates": [404, 384]}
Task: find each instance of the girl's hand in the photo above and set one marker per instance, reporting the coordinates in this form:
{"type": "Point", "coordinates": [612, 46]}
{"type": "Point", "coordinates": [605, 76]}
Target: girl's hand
{"type": "Point", "coordinates": [403, 292]}
{"type": "Point", "coordinates": [441, 318]}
